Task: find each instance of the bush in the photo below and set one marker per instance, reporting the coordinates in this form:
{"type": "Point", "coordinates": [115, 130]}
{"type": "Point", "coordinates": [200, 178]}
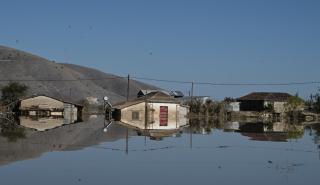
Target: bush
{"type": "Point", "coordinates": [12, 92]}
{"type": "Point", "coordinates": [294, 103]}
{"type": "Point", "coordinates": [314, 102]}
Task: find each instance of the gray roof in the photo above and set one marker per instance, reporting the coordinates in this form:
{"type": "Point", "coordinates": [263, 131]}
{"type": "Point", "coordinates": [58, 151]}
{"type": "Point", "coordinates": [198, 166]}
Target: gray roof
{"type": "Point", "coordinates": [177, 93]}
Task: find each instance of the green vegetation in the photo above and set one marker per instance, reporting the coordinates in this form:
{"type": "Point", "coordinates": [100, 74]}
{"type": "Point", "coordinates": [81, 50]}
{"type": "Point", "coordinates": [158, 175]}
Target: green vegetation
{"type": "Point", "coordinates": [294, 103]}
{"type": "Point", "coordinates": [208, 108]}
{"type": "Point", "coordinates": [12, 92]}
{"type": "Point", "coordinates": [314, 102]}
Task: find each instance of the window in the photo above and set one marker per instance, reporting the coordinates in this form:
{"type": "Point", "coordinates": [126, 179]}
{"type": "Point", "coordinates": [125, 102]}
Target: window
{"type": "Point", "coordinates": [163, 115]}
{"type": "Point", "coordinates": [135, 115]}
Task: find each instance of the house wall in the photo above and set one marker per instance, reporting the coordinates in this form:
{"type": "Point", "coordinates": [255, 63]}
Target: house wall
{"type": "Point", "coordinates": [173, 117]}
{"type": "Point", "coordinates": [183, 113]}
{"type": "Point", "coordinates": [70, 113]}
{"type": "Point", "coordinates": [126, 115]}
{"type": "Point", "coordinates": [42, 102]}
{"type": "Point", "coordinates": [177, 115]}
{"type": "Point", "coordinates": [233, 106]}
{"type": "Point", "coordinates": [279, 107]}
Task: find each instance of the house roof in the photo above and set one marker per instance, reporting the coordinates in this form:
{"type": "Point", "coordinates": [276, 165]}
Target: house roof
{"type": "Point", "coordinates": [148, 91]}
{"type": "Point", "coordinates": [159, 97]}
{"type": "Point", "coordinates": [64, 101]}
{"type": "Point", "coordinates": [176, 93]}
{"type": "Point", "coordinates": [270, 96]}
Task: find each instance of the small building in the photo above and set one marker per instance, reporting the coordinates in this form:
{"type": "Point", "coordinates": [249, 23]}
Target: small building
{"type": "Point", "coordinates": [156, 110]}
{"type": "Point", "coordinates": [261, 101]}
{"type": "Point", "coordinates": [45, 106]}
{"type": "Point", "coordinates": [233, 106]}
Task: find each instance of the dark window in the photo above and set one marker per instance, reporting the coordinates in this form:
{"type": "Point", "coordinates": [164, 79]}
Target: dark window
{"type": "Point", "coordinates": [135, 115]}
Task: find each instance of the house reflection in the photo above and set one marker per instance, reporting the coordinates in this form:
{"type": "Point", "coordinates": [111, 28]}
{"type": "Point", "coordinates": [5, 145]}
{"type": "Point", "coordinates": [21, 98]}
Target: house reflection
{"type": "Point", "coordinates": [277, 132]}
{"type": "Point", "coordinates": [159, 134]}
{"type": "Point", "coordinates": [44, 123]}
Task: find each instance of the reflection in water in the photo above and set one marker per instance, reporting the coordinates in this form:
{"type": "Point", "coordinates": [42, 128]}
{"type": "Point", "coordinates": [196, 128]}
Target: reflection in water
{"type": "Point", "coordinates": [12, 132]}
{"type": "Point", "coordinates": [32, 143]}
{"type": "Point", "coordinates": [206, 137]}
{"type": "Point", "coordinates": [42, 124]}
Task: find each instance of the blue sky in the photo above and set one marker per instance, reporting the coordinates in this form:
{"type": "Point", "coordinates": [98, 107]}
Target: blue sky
{"type": "Point", "coordinates": [240, 41]}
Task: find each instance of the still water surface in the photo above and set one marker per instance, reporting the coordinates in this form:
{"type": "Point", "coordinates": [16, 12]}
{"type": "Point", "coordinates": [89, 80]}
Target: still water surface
{"type": "Point", "coordinates": [86, 153]}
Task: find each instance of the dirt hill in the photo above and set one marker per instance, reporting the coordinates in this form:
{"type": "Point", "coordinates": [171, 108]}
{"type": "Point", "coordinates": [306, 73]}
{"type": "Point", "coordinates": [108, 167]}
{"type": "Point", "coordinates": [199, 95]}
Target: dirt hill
{"type": "Point", "coordinates": [63, 81]}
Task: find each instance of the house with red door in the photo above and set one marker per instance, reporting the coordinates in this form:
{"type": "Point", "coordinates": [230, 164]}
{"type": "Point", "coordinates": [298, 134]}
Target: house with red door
{"type": "Point", "coordinates": [156, 110]}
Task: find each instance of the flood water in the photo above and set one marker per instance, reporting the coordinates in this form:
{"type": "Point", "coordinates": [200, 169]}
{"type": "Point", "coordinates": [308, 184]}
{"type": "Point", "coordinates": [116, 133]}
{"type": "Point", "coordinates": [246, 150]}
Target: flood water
{"type": "Point", "coordinates": [206, 153]}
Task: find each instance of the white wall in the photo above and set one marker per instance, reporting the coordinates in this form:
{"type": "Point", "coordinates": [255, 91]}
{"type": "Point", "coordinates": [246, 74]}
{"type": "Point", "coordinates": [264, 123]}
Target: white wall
{"type": "Point", "coordinates": [42, 102]}
{"type": "Point", "coordinates": [177, 115]}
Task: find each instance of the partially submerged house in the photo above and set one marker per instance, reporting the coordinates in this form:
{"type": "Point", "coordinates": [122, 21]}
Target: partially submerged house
{"type": "Point", "coordinates": [45, 106]}
{"type": "Point", "coordinates": [261, 101]}
{"type": "Point", "coordinates": [156, 110]}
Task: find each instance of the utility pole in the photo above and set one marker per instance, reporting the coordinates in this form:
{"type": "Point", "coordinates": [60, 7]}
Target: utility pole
{"type": "Point", "coordinates": [190, 127]}
{"type": "Point", "coordinates": [191, 91]}
{"type": "Point", "coordinates": [128, 87]}
{"type": "Point", "coordinates": [127, 142]}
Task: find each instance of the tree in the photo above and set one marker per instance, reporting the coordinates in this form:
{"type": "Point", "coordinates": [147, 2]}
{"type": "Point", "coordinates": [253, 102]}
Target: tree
{"type": "Point", "coordinates": [12, 92]}
{"type": "Point", "coordinates": [314, 102]}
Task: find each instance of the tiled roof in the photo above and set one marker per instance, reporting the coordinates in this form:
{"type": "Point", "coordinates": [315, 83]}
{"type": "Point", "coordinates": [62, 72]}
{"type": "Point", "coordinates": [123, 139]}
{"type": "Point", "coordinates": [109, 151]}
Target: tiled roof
{"type": "Point", "coordinates": [271, 96]}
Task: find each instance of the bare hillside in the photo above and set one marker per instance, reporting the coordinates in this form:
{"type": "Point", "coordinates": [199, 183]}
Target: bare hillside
{"type": "Point", "coordinates": [64, 81]}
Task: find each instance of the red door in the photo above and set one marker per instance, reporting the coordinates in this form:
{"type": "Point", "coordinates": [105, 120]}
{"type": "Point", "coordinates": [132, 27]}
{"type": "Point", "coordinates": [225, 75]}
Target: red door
{"type": "Point", "coordinates": [163, 115]}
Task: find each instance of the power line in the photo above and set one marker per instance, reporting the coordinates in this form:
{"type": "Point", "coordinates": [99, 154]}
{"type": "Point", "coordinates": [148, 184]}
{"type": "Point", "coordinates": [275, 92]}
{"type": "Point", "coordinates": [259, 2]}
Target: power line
{"type": "Point", "coordinates": [163, 80]}
{"type": "Point", "coordinates": [60, 80]}
{"type": "Point", "coordinates": [229, 84]}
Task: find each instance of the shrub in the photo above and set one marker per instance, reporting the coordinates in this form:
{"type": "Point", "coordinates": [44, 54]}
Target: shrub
{"type": "Point", "coordinates": [12, 92]}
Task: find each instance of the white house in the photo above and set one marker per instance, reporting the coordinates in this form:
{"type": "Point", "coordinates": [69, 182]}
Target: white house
{"type": "Point", "coordinates": [156, 110]}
